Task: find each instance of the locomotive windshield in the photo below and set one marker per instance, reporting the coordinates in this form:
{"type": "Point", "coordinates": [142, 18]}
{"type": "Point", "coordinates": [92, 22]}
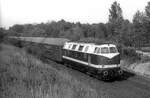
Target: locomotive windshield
{"type": "Point", "coordinates": [113, 49]}
{"type": "Point", "coordinates": [104, 50]}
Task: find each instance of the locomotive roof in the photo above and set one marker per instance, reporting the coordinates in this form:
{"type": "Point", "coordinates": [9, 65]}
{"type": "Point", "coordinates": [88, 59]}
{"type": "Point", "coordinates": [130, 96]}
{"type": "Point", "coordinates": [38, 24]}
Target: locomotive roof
{"type": "Point", "coordinates": [50, 41]}
{"type": "Point", "coordinates": [95, 43]}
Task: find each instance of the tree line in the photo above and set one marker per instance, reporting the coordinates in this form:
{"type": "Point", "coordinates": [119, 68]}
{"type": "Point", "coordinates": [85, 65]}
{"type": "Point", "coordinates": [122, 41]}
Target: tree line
{"type": "Point", "coordinates": [117, 29]}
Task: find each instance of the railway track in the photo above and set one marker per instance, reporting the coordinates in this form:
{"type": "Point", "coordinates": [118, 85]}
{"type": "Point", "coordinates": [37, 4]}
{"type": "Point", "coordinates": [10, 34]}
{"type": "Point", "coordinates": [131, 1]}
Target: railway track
{"type": "Point", "coordinates": [129, 86]}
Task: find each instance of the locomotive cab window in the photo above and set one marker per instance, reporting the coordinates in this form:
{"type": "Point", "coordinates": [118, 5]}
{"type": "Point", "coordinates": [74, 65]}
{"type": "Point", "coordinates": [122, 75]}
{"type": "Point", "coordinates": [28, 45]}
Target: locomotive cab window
{"type": "Point", "coordinates": [113, 50]}
{"type": "Point", "coordinates": [80, 48]}
{"type": "Point", "coordinates": [104, 50]}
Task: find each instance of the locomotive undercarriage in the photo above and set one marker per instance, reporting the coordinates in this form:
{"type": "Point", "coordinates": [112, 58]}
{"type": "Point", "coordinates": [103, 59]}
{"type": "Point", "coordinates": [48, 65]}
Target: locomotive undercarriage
{"type": "Point", "coordinates": [110, 73]}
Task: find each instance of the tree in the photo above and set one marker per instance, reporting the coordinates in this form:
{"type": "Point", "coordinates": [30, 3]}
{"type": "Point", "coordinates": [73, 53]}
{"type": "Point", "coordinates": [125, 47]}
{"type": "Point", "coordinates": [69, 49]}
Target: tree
{"type": "Point", "coordinates": [37, 32]}
{"type": "Point", "coordinates": [126, 33]}
{"type": "Point", "coordinates": [147, 9]}
{"type": "Point", "coordinates": [139, 30]}
{"type": "Point", "coordinates": [75, 33]}
{"type": "Point", "coordinates": [17, 30]}
{"type": "Point", "coordinates": [1, 34]}
{"type": "Point", "coordinates": [147, 22]}
{"type": "Point", "coordinates": [100, 30]}
{"type": "Point", "coordinates": [115, 19]}
{"type": "Point", "coordinates": [115, 12]}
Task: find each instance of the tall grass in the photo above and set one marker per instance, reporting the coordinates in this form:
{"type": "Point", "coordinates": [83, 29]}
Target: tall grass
{"type": "Point", "coordinates": [23, 76]}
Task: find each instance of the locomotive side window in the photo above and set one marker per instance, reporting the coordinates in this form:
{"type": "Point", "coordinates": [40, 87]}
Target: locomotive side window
{"type": "Point", "coordinates": [80, 48]}
{"type": "Point", "coordinates": [86, 49]}
{"type": "Point", "coordinates": [69, 46]}
{"type": "Point", "coordinates": [113, 50]}
{"type": "Point", "coordinates": [74, 47]}
{"type": "Point", "coordinates": [96, 50]}
{"type": "Point", "coordinates": [99, 50]}
{"type": "Point", "coordinates": [104, 50]}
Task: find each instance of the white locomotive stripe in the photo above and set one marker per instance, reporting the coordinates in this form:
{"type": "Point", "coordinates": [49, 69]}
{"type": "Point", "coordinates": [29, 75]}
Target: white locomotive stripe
{"type": "Point", "coordinates": [85, 63]}
{"type": "Point", "coordinates": [92, 65]}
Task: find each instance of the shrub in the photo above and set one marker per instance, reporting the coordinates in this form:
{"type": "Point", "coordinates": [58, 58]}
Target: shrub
{"type": "Point", "coordinates": [130, 53]}
{"type": "Point", "coordinates": [23, 76]}
{"type": "Point", "coordinates": [1, 35]}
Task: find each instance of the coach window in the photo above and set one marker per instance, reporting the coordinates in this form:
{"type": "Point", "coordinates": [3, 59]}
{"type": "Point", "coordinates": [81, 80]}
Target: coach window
{"type": "Point", "coordinates": [86, 49]}
{"type": "Point", "coordinates": [74, 47]}
{"type": "Point", "coordinates": [104, 50]}
{"type": "Point", "coordinates": [80, 48]}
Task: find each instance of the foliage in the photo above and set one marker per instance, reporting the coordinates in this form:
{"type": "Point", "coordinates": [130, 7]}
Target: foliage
{"type": "Point", "coordinates": [147, 22]}
{"type": "Point", "coordinates": [117, 29]}
{"type": "Point", "coordinates": [130, 53]}
{"type": "Point", "coordinates": [24, 76]}
{"type": "Point", "coordinates": [1, 34]}
{"type": "Point", "coordinates": [147, 9]}
{"type": "Point", "coordinates": [139, 30]}
{"type": "Point", "coordinates": [115, 19]}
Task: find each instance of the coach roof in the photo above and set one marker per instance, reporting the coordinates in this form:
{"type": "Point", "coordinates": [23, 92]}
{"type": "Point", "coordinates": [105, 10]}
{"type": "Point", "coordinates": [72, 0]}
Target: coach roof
{"type": "Point", "coordinates": [50, 41]}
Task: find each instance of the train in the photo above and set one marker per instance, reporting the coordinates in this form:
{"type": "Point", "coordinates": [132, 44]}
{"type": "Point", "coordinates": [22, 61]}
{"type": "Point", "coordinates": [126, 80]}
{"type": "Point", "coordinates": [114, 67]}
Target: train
{"type": "Point", "coordinates": [100, 59]}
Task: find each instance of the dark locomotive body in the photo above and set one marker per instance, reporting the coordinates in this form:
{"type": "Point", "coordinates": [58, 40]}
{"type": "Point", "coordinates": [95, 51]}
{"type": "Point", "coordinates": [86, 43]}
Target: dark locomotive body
{"type": "Point", "coordinates": [101, 59]}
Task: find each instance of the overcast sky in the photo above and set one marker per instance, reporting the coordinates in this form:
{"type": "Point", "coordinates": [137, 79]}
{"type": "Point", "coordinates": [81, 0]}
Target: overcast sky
{"type": "Point", "coordinates": [84, 11]}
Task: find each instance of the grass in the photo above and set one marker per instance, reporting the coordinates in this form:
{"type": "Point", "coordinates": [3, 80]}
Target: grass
{"type": "Point", "coordinates": [23, 76]}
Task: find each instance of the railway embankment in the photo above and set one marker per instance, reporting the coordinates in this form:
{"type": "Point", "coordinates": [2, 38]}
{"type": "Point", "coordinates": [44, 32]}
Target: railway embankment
{"type": "Point", "coordinates": [135, 61]}
{"type": "Point", "coordinates": [23, 76]}
{"type": "Point", "coordinates": [139, 67]}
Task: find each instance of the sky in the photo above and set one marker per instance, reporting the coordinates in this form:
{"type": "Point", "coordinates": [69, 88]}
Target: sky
{"type": "Point", "coordinates": [84, 11]}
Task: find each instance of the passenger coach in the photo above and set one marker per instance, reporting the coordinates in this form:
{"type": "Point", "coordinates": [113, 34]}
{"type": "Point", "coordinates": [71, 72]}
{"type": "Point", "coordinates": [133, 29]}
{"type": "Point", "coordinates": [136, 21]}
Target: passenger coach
{"type": "Point", "coordinates": [102, 59]}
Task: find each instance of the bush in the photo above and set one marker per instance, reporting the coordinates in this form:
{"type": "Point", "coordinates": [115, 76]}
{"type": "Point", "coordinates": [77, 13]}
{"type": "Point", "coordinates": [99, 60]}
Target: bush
{"type": "Point", "coordinates": [130, 53]}
{"type": "Point", "coordinates": [14, 42]}
{"type": "Point", "coordinates": [1, 34]}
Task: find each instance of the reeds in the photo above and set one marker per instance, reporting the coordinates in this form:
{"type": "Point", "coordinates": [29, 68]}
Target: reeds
{"type": "Point", "coordinates": [24, 76]}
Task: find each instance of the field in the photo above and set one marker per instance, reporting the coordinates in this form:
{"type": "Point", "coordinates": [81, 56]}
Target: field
{"type": "Point", "coordinates": [24, 76]}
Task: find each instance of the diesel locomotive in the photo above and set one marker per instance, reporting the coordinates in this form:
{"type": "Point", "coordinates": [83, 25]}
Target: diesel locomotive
{"type": "Point", "coordinates": [102, 59]}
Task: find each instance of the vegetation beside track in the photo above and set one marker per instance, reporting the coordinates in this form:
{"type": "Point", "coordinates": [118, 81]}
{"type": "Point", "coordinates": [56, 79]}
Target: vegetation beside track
{"type": "Point", "coordinates": [23, 76]}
